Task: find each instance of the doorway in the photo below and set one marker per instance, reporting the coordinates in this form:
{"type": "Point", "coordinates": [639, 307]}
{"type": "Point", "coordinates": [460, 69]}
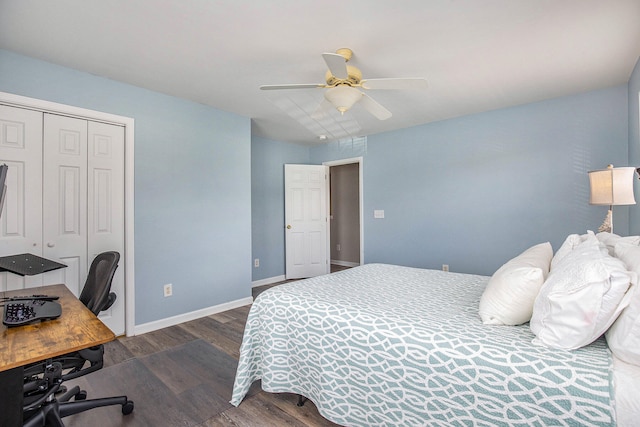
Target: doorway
{"type": "Point", "coordinates": [345, 215]}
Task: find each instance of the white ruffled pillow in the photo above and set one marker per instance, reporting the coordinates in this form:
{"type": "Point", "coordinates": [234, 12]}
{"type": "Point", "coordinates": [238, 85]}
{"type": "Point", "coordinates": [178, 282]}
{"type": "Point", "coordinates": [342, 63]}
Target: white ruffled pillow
{"type": "Point", "coordinates": [611, 240]}
{"type": "Point", "coordinates": [581, 298]}
{"type": "Point", "coordinates": [509, 295]}
{"type": "Point", "coordinates": [570, 243]}
{"type": "Point", "coordinates": [624, 335]}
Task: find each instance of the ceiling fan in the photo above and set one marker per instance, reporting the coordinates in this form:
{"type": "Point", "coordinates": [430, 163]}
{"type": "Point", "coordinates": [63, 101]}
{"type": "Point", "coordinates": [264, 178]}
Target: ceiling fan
{"type": "Point", "coordinates": [342, 81]}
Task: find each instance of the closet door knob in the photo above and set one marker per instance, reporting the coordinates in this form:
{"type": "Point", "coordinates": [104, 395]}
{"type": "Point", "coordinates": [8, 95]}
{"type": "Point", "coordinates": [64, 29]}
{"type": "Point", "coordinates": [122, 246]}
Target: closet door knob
{"type": "Point", "coordinates": [51, 245]}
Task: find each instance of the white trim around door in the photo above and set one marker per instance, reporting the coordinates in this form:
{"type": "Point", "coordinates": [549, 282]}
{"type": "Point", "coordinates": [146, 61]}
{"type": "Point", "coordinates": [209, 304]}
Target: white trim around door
{"type": "Point", "coordinates": [358, 160]}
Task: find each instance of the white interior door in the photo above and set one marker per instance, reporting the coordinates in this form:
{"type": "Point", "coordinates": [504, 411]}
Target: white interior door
{"type": "Point", "coordinates": [306, 221]}
{"type": "Point", "coordinates": [21, 150]}
{"type": "Point", "coordinates": [65, 200]}
{"type": "Point", "coordinates": [105, 210]}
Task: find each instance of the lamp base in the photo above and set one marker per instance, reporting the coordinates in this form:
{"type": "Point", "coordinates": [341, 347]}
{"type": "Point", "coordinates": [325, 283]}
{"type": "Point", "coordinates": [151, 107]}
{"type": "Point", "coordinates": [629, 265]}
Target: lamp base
{"type": "Point", "coordinates": [607, 225]}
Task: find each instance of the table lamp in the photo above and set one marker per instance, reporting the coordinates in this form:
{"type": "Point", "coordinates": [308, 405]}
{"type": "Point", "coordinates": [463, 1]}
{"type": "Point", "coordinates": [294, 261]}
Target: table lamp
{"type": "Point", "coordinates": [611, 186]}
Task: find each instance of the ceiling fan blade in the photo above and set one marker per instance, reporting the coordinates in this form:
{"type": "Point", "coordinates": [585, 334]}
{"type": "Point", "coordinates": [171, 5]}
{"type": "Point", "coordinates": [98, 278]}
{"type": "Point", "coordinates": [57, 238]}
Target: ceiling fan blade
{"type": "Point", "coordinates": [293, 86]}
{"type": "Point", "coordinates": [395, 83]}
{"type": "Point", "coordinates": [374, 108]}
{"type": "Point", "coordinates": [337, 65]}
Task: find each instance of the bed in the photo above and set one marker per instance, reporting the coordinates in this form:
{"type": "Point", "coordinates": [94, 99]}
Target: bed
{"type": "Point", "coordinates": [381, 345]}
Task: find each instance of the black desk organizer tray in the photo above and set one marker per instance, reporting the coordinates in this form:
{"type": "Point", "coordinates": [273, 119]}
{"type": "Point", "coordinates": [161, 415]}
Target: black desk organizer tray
{"type": "Point", "coordinates": [28, 264]}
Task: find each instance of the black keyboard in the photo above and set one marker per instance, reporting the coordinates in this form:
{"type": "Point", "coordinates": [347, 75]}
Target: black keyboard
{"type": "Point", "coordinates": [22, 312]}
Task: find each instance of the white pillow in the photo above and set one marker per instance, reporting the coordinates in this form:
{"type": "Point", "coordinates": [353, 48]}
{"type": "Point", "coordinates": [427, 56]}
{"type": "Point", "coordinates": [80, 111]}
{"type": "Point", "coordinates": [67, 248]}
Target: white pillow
{"type": "Point", "coordinates": [581, 298]}
{"type": "Point", "coordinates": [611, 240]}
{"type": "Point", "coordinates": [569, 244]}
{"type": "Point", "coordinates": [624, 335]}
{"type": "Point", "coordinates": [509, 295]}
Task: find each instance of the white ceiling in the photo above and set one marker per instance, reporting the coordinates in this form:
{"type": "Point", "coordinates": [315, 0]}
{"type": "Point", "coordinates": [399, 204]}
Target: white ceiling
{"type": "Point", "coordinates": [477, 55]}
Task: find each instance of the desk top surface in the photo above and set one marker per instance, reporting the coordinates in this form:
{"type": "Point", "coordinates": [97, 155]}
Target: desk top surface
{"type": "Point", "coordinates": [75, 329]}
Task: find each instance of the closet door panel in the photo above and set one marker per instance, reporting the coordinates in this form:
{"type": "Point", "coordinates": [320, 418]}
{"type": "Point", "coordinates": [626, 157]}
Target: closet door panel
{"type": "Point", "coordinates": [105, 208]}
{"type": "Point", "coordinates": [21, 222]}
{"type": "Point", "coordinates": [65, 199]}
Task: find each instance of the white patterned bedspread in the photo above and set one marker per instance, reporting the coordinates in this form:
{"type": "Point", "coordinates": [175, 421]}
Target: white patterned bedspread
{"type": "Point", "coordinates": [383, 345]}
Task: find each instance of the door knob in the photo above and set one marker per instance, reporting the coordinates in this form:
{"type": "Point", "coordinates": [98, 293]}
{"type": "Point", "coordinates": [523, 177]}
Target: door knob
{"type": "Point", "coordinates": [288, 227]}
{"type": "Point", "coordinates": [51, 245]}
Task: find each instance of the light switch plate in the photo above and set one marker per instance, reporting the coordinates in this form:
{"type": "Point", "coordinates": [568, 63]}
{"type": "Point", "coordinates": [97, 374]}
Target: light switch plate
{"type": "Point", "coordinates": [378, 213]}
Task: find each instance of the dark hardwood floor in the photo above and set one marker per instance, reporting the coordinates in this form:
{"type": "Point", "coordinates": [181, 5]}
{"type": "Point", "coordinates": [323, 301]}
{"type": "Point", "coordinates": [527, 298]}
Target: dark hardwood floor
{"type": "Point", "coordinates": [183, 376]}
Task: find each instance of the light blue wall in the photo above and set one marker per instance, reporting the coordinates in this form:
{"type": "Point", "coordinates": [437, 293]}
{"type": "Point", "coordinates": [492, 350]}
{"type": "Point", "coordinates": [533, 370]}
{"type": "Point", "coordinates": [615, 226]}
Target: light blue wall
{"type": "Point", "coordinates": [267, 202]}
{"type": "Point", "coordinates": [470, 192]}
{"type": "Point", "coordinates": [634, 143]}
{"type": "Point", "coordinates": [473, 192]}
{"type": "Point", "coordinates": [192, 185]}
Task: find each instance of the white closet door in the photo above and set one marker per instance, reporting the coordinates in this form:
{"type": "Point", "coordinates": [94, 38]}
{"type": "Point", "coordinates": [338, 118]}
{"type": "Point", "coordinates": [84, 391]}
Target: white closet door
{"type": "Point", "coordinates": [105, 210]}
{"type": "Point", "coordinates": [65, 200]}
{"type": "Point", "coordinates": [21, 150]}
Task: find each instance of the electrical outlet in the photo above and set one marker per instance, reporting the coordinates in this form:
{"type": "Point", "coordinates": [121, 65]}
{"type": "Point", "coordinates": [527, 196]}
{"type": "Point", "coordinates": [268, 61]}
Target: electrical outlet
{"type": "Point", "coordinates": [338, 248]}
{"type": "Point", "coordinates": [256, 262]}
{"type": "Point", "coordinates": [168, 290]}
{"type": "Point", "coordinates": [445, 267]}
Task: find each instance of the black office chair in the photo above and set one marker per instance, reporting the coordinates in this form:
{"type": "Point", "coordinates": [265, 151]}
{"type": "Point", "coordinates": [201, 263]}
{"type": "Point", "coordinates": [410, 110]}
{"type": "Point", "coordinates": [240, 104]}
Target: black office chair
{"type": "Point", "coordinates": [43, 380]}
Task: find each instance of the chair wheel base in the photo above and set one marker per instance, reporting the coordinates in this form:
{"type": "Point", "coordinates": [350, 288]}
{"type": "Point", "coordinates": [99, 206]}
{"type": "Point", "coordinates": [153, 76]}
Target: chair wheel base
{"type": "Point", "coordinates": [127, 408]}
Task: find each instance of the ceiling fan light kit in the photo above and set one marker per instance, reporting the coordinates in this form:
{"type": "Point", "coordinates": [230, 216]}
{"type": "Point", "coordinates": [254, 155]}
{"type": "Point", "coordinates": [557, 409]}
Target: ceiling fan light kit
{"type": "Point", "coordinates": [343, 97]}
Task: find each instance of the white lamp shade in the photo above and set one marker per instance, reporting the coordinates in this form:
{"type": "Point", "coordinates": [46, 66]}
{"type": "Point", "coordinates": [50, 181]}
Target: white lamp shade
{"type": "Point", "coordinates": [612, 186]}
{"type": "Point", "coordinates": [343, 97]}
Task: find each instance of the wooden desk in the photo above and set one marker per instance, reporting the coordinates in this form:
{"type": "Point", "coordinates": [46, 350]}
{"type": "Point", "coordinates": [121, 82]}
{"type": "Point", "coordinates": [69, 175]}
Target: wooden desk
{"type": "Point", "coordinates": [75, 329]}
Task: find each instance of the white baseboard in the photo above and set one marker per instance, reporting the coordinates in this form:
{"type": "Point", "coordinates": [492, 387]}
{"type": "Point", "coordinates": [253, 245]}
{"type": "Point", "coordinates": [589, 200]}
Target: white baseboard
{"type": "Point", "coordinates": [276, 279]}
{"type": "Point", "coordinates": [268, 281]}
{"type": "Point", "coordinates": [345, 263]}
{"type": "Point", "coordinates": [185, 317]}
